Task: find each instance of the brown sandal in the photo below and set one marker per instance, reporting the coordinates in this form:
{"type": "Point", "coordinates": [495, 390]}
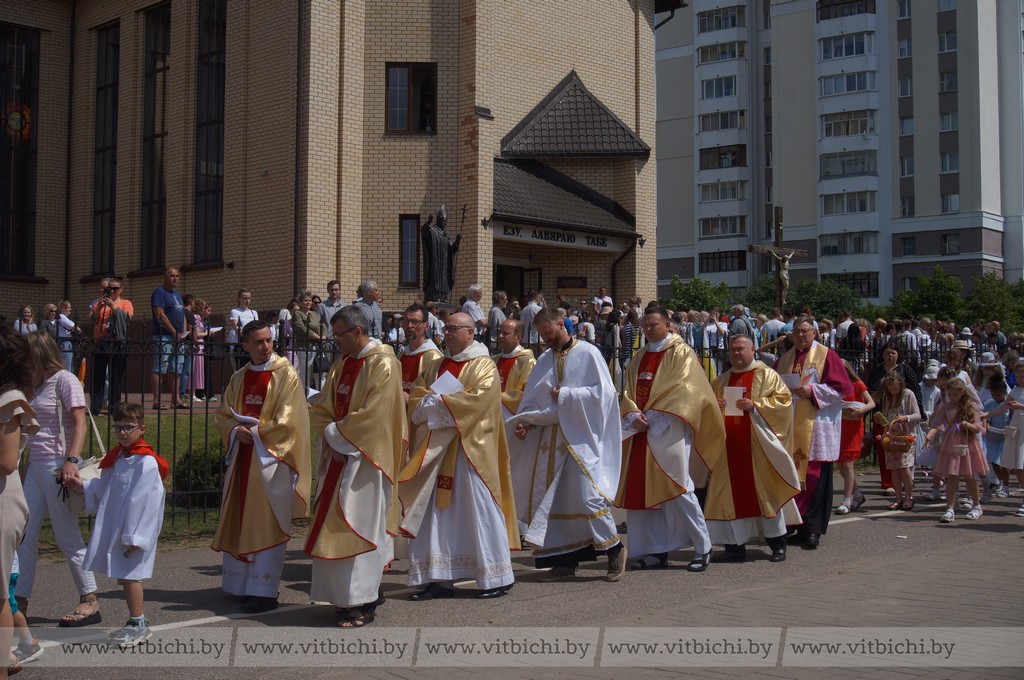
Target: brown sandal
{"type": "Point", "coordinates": [357, 618]}
{"type": "Point", "coordinates": [83, 616]}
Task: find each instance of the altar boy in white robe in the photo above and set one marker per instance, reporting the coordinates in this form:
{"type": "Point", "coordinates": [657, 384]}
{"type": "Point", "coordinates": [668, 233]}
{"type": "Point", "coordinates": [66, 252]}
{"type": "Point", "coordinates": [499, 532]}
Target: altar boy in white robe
{"type": "Point", "coordinates": [128, 500]}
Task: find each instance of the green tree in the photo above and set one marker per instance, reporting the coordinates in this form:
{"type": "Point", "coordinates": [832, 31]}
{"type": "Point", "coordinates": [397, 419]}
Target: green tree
{"type": "Point", "coordinates": [697, 294]}
{"type": "Point", "coordinates": [938, 296]}
{"type": "Point", "coordinates": [992, 297]}
{"type": "Point", "coordinates": [826, 299]}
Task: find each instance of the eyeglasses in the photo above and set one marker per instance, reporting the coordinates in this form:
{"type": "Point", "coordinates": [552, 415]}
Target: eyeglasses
{"type": "Point", "coordinates": [342, 334]}
{"type": "Point", "coordinates": [452, 329]}
{"type": "Point", "coordinates": [411, 322]}
{"type": "Point", "coordinates": [125, 429]}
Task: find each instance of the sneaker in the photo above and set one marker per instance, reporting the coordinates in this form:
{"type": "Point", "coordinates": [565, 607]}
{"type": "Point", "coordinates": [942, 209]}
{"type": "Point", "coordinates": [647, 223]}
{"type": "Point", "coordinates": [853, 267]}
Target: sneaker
{"type": "Point", "coordinates": [27, 652]}
{"type": "Point", "coordinates": [1003, 492]}
{"type": "Point", "coordinates": [935, 494]}
{"type": "Point", "coordinates": [131, 634]}
{"type": "Point", "coordinates": [975, 513]}
{"type": "Point", "coordinates": [948, 516]}
{"type": "Point", "coordinates": [1020, 511]}
{"type": "Point", "coordinates": [198, 399]}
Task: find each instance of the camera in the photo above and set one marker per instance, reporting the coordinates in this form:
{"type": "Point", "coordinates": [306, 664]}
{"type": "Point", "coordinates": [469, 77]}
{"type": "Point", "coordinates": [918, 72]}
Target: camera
{"type": "Point", "coordinates": [108, 292]}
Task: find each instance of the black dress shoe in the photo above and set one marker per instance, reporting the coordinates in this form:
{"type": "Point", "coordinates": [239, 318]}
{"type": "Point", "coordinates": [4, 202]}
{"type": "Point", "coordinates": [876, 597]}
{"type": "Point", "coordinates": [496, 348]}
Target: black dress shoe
{"type": "Point", "coordinates": [433, 591]}
{"type": "Point", "coordinates": [700, 562]}
{"type": "Point", "coordinates": [492, 593]}
{"type": "Point", "coordinates": [778, 554]}
{"type": "Point", "coordinates": [258, 605]}
{"type": "Point", "coordinates": [813, 541]}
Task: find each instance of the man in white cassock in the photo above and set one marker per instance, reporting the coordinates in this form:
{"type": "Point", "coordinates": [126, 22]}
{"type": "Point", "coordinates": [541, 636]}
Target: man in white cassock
{"type": "Point", "coordinates": [673, 425]}
{"type": "Point", "coordinates": [515, 363]}
{"type": "Point", "coordinates": [576, 455]}
{"type": "Point", "coordinates": [360, 416]}
{"type": "Point", "coordinates": [455, 490]}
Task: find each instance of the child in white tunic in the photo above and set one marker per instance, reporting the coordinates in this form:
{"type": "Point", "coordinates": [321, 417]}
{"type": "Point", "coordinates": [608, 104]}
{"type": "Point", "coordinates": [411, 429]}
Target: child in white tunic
{"type": "Point", "coordinates": [128, 499]}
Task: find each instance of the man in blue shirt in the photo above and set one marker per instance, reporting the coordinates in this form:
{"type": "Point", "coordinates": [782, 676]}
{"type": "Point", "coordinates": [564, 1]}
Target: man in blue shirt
{"type": "Point", "coordinates": [170, 327]}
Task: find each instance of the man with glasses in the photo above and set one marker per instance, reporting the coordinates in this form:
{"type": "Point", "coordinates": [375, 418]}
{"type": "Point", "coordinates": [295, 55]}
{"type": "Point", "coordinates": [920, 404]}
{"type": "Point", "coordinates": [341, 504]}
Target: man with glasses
{"type": "Point", "coordinates": [575, 463]}
{"type": "Point", "coordinates": [360, 417]}
{"type": "Point", "coordinates": [455, 490]}
{"type": "Point", "coordinates": [264, 424]}
{"type": "Point", "coordinates": [110, 316]}
{"type": "Point", "coordinates": [818, 380]}
{"type": "Point", "coordinates": [420, 351]}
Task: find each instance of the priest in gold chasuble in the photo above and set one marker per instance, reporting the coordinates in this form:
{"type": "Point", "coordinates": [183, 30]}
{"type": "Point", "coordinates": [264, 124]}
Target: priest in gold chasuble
{"type": "Point", "coordinates": [360, 417]}
{"type": "Point", "coordinates": [674, 430]}
{"type": "Point", "coordinates": [456, 494]}
{"type": "Point", "coordinates": [264, 423]}
{"type": "Point", "coordinates": [751, 493]}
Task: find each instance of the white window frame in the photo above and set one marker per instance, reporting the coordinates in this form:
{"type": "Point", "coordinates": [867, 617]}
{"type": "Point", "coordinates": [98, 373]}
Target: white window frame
{"type": "Point", "coordinates": [903, 9]}
{"type": "Point", "coordinates": [905, 47]}
{"type": "Point", "coordinates": [906, 87]}
{"type": "Point", "coordinates": [907, 166]}
{"type": "Point", "coordinates": [906, 126]}
{"type": "Point", "coordinates": [722, 86]}
{"type": "Point", "coordinates": [949, 81]}
{"type": "Point", "coordinates": [947, 42]}
{"type": "Point", "coordinates": [948, 122]}
{"type": "Point", "coordinates": [949, 161]}
{"type": "Point", "coordinates": [848, 123]}
{"type": "Point", "coordinates": [950, 203]}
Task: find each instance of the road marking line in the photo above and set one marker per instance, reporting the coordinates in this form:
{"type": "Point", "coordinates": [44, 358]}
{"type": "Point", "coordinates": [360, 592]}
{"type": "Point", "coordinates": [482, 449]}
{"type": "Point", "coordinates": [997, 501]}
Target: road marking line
{"type": "Point", "coordinates": [884, 513]}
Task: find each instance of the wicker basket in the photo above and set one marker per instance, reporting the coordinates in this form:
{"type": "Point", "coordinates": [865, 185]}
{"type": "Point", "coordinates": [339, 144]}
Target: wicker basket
{"type": "Point", "coordinates": [897, 443]}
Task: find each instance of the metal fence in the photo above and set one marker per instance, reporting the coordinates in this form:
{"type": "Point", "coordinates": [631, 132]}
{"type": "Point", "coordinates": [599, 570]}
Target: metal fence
{"type": "Point", "coordinates": [185, 434]}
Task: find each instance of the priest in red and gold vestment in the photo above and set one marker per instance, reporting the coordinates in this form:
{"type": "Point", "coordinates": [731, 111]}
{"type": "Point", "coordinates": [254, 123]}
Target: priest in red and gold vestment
{"type": "Point", "coordinates": [514, 366]}
{"type": "Point", "coordinates": [751, 492]}
{"type": "Point", "coordinates": [455, 490]}
{"type": "Point", "coordinates": [669, 413]}
{"type": "Point", "coordinates": [360, 416]}
{"type": "Point", "coordinates": [264, 423]}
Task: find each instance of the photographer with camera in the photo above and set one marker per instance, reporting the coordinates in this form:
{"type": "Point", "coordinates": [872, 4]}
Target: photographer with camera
{"type": "Point", "coordinates": [109, 316]}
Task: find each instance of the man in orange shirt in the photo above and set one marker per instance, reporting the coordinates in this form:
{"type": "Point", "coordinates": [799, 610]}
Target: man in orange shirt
{"type": "Point", "coordinates": [110, 316]}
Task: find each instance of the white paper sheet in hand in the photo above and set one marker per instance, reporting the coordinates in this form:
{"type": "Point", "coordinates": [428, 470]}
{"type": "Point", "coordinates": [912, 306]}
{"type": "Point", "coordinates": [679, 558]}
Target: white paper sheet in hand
{"type": "Point", "coordinates": [216, 329]}
{"type": "Point", "coordinates": [731, 394]}
{"type": "Point", "coordinates": [244, 420]}
{"type": "Point", "coordinates": [447, 383]}
{"type": "Point", "coordinates": [311, 395]}
{"type": "Point", "coordinates": [792, 380]}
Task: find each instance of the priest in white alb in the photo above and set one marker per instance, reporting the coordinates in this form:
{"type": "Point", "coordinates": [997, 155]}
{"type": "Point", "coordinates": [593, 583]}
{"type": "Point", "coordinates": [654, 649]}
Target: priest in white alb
{"type": "Point", "coordinates": [674, 426]}
{"type": "Point", "coordinates": [574, 460]}
{"type": "Point", "coordinates": [264, 423]}
{"type": "Point", "coordinates": [751, 493]}
{"type": "Point", "coordinates": [360, 417]}
{"type": "Point", "coordinates": [456, 493]}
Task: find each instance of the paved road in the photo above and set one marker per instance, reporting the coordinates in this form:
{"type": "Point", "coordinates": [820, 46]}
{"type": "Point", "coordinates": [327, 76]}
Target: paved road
{"type": "Point", "coordinates": [874, 569]}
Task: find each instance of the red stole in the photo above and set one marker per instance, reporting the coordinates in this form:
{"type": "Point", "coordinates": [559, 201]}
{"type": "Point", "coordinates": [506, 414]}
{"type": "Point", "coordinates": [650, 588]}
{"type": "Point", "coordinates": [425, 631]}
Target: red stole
{"type": "Point", "coordinates": [635, 495]}
{"type": "Point", "coordinates": [505, 365]}
{"type": "Point", "coordinates": [252, 394]}
{"type": "Point", "coordinates": [739, 454]}
{"type": "Point", "coordinates": [139, 448]}
{"type": "Point", "coordinates": [410, 370]}
{"type": "Point", "coordinates": [342, 402]}
{"type": "Point", "coordinates": [448, 365]}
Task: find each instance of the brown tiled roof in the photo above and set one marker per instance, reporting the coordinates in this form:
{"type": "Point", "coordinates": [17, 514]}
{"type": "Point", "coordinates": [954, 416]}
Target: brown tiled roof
{"type": "Point", "coordinates": [529, 192]}
{"type": "Point", "coordinates": [571, 121]}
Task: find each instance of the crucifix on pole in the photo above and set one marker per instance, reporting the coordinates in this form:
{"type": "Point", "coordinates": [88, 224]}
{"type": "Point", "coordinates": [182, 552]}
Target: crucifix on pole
{"type": "Point", "coordinates": [781, 256]}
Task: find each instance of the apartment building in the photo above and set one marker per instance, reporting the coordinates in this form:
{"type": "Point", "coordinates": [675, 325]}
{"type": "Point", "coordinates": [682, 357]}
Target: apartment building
{"type": "Point", "coordinates": [888, 131]}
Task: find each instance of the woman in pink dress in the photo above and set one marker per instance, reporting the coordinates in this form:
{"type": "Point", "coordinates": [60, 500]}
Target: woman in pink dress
{"type": "Point", "coordinates": [197, 378]}
{"type": "Point", "coordinates": [961, 454]}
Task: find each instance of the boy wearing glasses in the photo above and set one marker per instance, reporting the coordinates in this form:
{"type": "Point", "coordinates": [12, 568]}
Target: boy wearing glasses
{"type": "Point", "coordinates": [128, 499]}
